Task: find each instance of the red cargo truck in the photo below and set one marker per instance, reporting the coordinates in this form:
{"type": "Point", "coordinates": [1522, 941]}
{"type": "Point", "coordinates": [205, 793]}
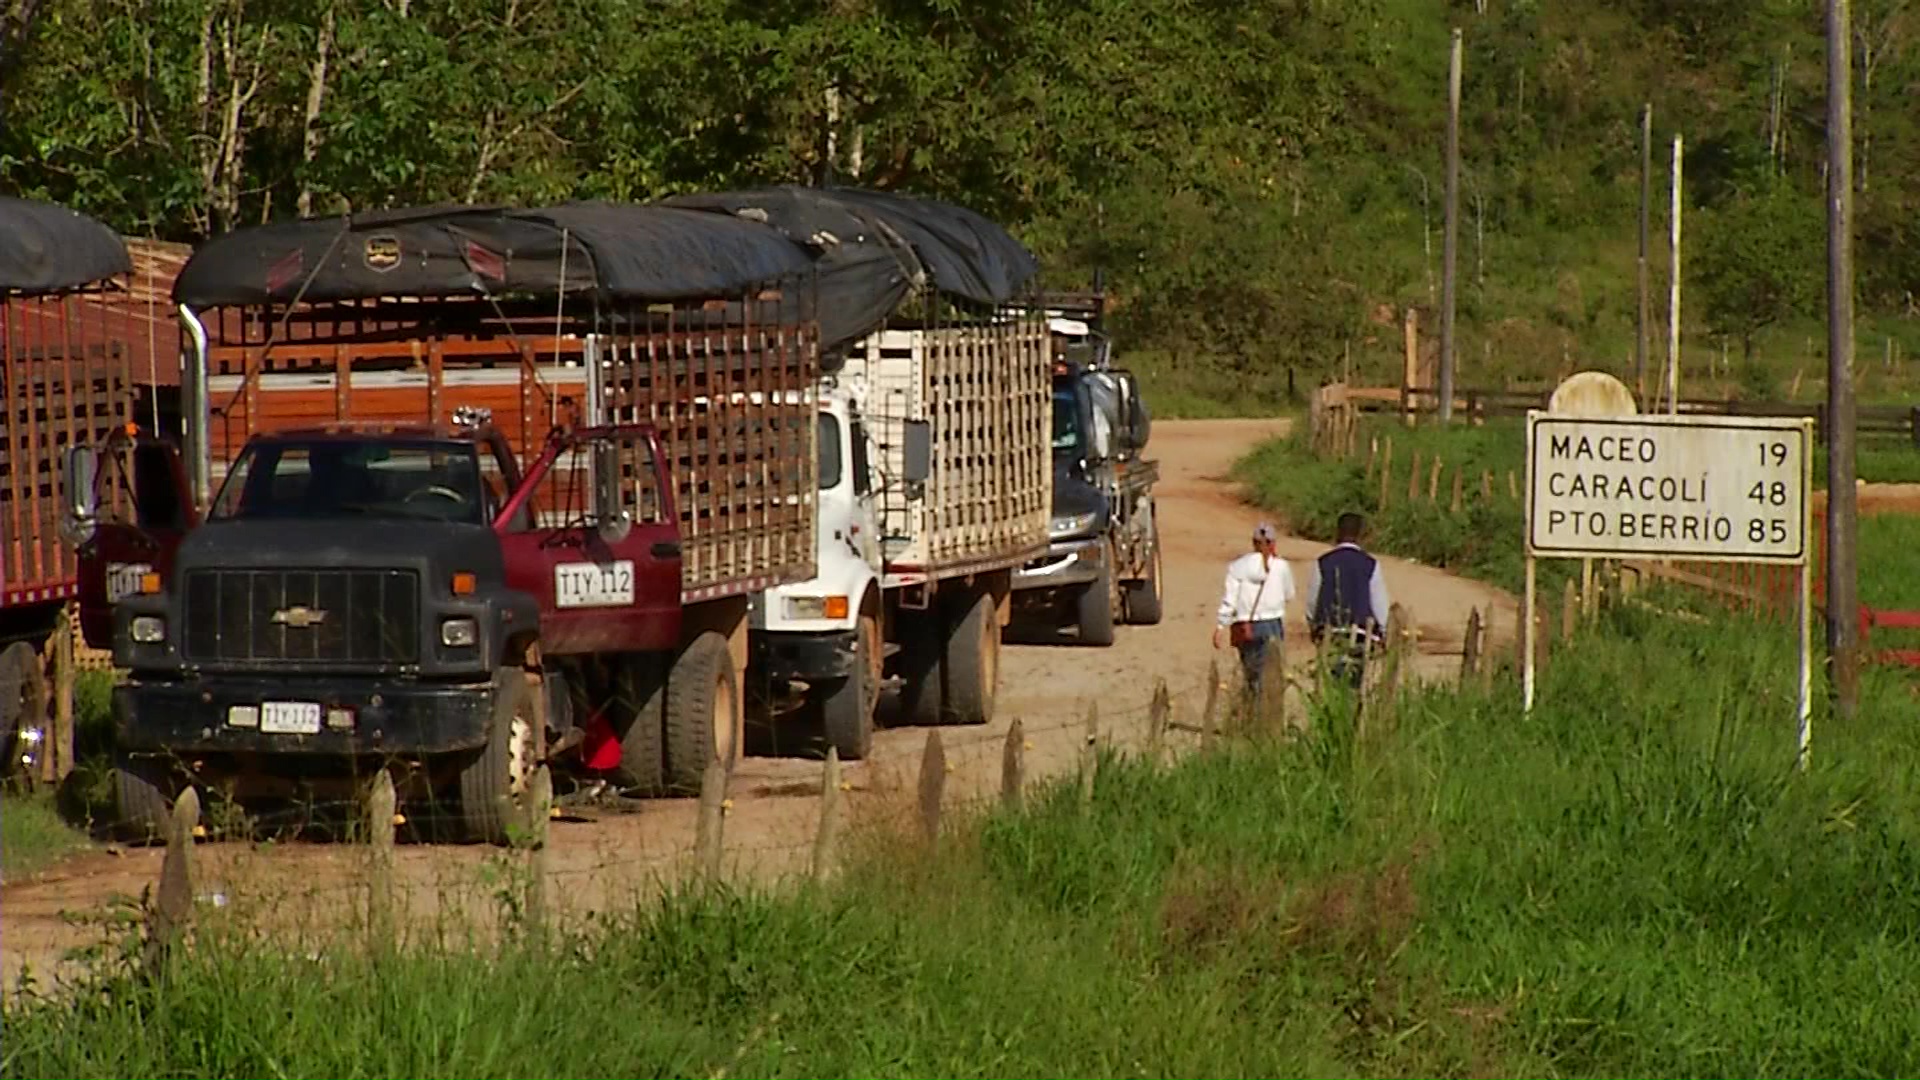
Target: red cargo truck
{"type": "Point", "coordinates": [63, 381]}
{"type": "Point", "coordinates": [460, 488]}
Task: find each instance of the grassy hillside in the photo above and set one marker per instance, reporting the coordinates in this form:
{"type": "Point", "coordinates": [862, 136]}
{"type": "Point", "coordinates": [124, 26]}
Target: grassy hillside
{"type": "Point", "coordinates": [1260, 183]}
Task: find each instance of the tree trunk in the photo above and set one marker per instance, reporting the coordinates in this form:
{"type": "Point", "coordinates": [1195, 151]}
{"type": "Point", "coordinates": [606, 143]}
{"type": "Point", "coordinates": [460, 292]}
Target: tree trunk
{"type": "Point", "coordinates": [316, 97]}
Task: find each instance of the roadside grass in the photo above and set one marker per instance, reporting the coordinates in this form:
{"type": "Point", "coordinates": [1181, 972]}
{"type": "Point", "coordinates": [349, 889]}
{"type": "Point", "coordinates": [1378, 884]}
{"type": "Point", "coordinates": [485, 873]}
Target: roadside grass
{"type": "Point", "coordinates": [33, 835]}
{"type": "Point", "coordinates": [1889, 556]}
{"type": "Point", "coordinates": [1633, 880]}
{"type": "Point", "coordinates": [38, 829]}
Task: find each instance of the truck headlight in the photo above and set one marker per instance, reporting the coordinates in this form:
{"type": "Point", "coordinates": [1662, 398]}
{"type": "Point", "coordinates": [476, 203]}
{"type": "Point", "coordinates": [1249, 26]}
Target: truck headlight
{"type": "Point", "coordinates": [1071, 524]}
{"type": "Point", "coordinates": [148, 629]}
{"type": "Point", "coordinates": [459, 633]}
{"type": "Point", "coordinates": [816, 607]}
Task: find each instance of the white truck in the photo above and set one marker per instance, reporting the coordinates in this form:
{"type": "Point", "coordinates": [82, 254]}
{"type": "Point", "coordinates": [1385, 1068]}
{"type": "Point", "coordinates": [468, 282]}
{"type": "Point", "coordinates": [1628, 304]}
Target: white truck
{"type": "Point", "coordinates": [935, 485]}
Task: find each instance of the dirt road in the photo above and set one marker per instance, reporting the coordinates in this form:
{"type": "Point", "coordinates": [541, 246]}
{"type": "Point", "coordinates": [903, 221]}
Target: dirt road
{"type": "Point", "coordinates": [772, 819]}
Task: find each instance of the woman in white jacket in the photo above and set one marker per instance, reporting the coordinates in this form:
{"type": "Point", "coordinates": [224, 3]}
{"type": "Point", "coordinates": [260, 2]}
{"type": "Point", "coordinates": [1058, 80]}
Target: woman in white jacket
{"type": "Point", "coordinates": [1253, 605]}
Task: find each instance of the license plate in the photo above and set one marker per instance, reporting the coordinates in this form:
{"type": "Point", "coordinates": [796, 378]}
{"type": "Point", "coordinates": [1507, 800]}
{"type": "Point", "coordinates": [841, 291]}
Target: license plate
{"type": "Point", "coordinates": [577, 585]}
{"type": "Point", "coordinates": [123, 579]}
{"type": "Point", "coordinates": [290, 717]}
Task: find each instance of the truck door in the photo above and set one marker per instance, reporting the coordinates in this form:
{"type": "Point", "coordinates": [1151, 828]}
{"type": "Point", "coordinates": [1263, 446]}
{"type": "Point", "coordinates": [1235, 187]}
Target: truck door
{"type": "Point", "coordinates": [146, 475]}
{"type": "Point", "coordinates": [603, 585]}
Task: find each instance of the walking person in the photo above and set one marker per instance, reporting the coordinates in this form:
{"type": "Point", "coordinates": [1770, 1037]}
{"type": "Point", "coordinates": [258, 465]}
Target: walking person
{"type": "Point", "coordinates": [1253, 605]}
{"type": "Point", "coordinates": [1347, 601]}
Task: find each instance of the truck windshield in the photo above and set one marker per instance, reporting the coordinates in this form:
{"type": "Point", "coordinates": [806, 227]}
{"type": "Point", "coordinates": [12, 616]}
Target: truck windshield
{"type": "Point", "coordinates": [1066, 421]}
{"type": "Point", "coordinates": [325, 478]}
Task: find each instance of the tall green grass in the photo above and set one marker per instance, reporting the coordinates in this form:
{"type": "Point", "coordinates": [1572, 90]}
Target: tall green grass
{"type": "Point", "coordinates": [1632, 880]}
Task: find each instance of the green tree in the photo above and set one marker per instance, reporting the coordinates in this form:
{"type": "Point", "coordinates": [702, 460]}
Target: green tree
{"type": "Point", "coordinates": [1761, 259]}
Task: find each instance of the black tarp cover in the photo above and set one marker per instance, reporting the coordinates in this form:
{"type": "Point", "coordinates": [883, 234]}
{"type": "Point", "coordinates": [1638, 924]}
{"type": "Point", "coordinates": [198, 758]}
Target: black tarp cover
{"type": "Point", "coordinates": [634, 253]}
{"type": "Point", "coordinates": [46, 248]}
{"type": "Point", "coordinates": [862, 276]}
{"type": "Point", "coordinates": [957, 251]}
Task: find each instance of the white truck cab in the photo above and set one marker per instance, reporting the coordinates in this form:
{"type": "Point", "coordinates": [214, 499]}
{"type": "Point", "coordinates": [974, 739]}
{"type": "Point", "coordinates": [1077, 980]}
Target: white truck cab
{"type": "Point", "coordinates": [933, 486]}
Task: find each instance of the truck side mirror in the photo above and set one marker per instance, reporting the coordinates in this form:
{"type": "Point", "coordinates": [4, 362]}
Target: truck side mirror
{"type": "Point", "coordinates": [917, 451]}
{"type": "Point", "coordinates": [82, 468]}
{"type": "Point", "coordinates": [610, 517]}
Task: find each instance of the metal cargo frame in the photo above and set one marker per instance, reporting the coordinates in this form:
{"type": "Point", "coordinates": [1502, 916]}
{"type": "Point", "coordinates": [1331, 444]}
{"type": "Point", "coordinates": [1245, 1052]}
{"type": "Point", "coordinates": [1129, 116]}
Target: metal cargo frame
{"type": "Point", "coordinates": [985, 389]}
{"type": "Point", "coordinates": [64, 381]}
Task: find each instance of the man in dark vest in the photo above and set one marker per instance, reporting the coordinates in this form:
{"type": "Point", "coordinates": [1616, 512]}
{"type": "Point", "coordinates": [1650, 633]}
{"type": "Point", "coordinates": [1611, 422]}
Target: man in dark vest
{"type": "Point", "coordinates": [1347, 601]}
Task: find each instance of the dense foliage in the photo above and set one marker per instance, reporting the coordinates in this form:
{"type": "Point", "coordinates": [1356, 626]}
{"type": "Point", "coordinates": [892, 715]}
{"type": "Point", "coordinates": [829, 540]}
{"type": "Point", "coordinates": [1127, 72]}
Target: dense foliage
{"type": "Point", "coordinates": [1261, 181]}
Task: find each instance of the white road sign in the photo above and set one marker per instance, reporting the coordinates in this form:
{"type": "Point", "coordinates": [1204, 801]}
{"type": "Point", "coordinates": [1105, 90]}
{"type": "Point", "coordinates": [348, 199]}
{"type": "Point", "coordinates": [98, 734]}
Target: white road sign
{"type": "Point", "coordinates": [1728, 489]}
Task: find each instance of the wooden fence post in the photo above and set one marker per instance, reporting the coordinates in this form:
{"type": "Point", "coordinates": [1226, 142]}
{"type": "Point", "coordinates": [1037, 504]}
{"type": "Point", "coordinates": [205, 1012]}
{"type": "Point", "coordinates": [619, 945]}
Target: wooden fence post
{"type": "Point", "coordinates": [708, 838]}
{"type": "Point", "coordinates": [1569, 611]}
{"type": "Point", "coordinates": [1090, 753]}
{"type": "Point", "coordinates": [1413, 477]}
{"type": "Point", "coordinates": [1513, 485]}
{"type": "Point", "coordinates": [1386, 473]}
{"type": "Point", "coordinates": [1433, 480]}
{"type": "Point", "coordinates": [1158, 712]}
{"type": "Point", "coordinates": [59, 747]}
{"type": "Point", "coordinates": [829, 830]}
{"type": "Point", "coordinates": [539, 820]}
{"type": "Point", "coordinates": [1486, 648]}
{"type": "Point", "coordinates": [1013, 766]}
{"type": "Point", "coordinates": [1209, 719]}
{"type": "Point", "coordinates": [1373, 458]}
{"type": "Point", "coordinates": [1411, 364]}
{"type": "Point", "coordinates": [1401, 645]}
{"type": "Point", "coordinates": [933, 787]}
{"type": "Point", "coordinates": [1459, 479]}
{"type": "Point", "coordinates": [381, 804]}
{"type": "Point", "coordinates": [1486, 485]}
{"type": "Point", "coordinates": [1470, 648]}
{"type": "Point", "coordinates": [172, 912]}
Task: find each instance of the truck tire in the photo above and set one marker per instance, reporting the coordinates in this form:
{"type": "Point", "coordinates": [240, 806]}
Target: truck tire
{"type": "Point", "coordinates": [143, 794]}
{"type": "Point", "coordinates": [493, 785]}
{"type": "Point", "coordinates": [972, 665]}
{"type": "Point", "coordinates": [23, 701]}
{"type": "Point", "coordinates": [1093, 609]}
{"type": "Point", "coordinates": [703, 713]}
{"type": "Point", "coordinates": [923, 673]}
{"type": "Point", "coordinates": [636, 707]}
{"type": "Point", "coordinates": [1143, 596]}
{"type": "Point", "coordinates": [846, 706]}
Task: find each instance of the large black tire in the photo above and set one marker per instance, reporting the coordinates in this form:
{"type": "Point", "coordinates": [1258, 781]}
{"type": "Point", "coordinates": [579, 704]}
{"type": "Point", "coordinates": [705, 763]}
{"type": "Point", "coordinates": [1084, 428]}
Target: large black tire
{"type": "Point", "coordinates": [846, 706]}
{"type": "Point", "coordinates": [23, 702]}
{"type": "Point", "coordinates": [143, 792]}
{"type": "Point", "coordinates": [1093, 609]}
{"type": "Point", "coordinates": [923, 669]}
{"type": "Point", "coordinates": [636, 706]}
{"type": "Point", "coordinates": [494, 784]}
{"type": "Point", "coordinates": [972, 664]}
{"type": "Point", "coordinates": [1143, 595]}
{"type": "Point", "coordinates": [703, 713]}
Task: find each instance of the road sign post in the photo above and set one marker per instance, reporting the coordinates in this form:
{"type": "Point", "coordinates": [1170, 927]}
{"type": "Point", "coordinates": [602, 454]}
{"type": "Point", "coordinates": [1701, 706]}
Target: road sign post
{"type": "Point", "coordinates": [1715, 489]}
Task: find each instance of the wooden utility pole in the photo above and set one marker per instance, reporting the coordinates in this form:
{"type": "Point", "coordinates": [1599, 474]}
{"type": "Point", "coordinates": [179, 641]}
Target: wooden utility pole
{"type": "Point", "coordinates": [1673, 293]}
{"type": "Point", "coordinates": [1843, 601]}
{"type": "Point", "coordinates": [1646, 301]}
{"type": "Point", "coordinates": [1452, 244]}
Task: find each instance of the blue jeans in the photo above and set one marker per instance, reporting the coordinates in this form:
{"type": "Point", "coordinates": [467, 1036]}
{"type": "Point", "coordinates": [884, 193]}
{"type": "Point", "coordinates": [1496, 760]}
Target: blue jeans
{"type": "Point", "coordinates": [1253, 654]}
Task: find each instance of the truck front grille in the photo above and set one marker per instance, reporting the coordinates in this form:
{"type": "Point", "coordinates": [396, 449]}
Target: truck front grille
{"type": "Point", "coordinates": [303, 616]}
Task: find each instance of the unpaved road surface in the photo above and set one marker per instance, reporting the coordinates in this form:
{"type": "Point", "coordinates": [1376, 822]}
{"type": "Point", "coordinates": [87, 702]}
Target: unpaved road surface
{"type": "Point", "coordinates": [769, 827]}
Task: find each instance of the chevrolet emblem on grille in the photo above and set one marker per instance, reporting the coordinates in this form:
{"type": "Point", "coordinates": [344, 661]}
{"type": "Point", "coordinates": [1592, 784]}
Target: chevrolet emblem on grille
{"type": "Point", "coordinates": [299, 617]}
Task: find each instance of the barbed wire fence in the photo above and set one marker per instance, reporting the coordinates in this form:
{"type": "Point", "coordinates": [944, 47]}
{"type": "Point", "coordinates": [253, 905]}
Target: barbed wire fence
{"type": "Point", "coordinates": [532, 885]}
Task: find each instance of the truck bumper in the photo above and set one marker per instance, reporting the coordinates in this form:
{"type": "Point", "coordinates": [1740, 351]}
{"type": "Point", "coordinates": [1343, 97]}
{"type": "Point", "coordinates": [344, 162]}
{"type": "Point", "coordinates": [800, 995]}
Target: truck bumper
{"type": "Point", "coordinates": [384, 717]}
{"type": "Point", "coordinates": [784, 657]}
{"type": "Point", "coordinates": [1067, 562]}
